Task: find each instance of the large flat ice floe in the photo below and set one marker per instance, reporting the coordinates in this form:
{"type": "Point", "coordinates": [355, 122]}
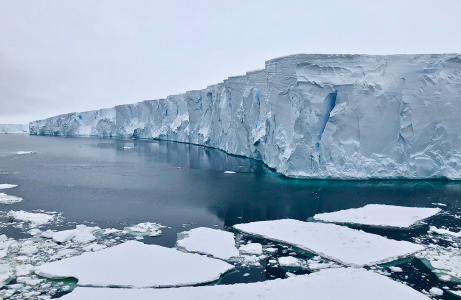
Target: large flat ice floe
{"type": "Point", "coordinates": [333, 284]}
{"type": "Point", "coordinates": [341, 244]}
{"type": "Point", "coordinates": [208, 241]}
{"type": "Point", "coordinates": [35, 219]}
{"type": "Point", "coordinates": [134, 264]}
{"type": "Point", "coordinates": [379, 215]}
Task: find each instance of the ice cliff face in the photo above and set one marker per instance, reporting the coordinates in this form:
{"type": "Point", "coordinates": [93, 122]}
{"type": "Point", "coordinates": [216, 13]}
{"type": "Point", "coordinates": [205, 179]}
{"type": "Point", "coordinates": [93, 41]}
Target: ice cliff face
{"type": "Point", "coordinates": [312, 116]}
{"type": "Point", "coordinates": [14, 128]}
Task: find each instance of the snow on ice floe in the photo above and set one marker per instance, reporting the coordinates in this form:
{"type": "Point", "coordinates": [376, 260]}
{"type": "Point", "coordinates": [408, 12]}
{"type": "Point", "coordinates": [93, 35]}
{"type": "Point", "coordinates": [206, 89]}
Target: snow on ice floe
{"type": "Point", "coordinates": [251, 248]}
{"type": "Point", "coordinates": [332, 284]}
{"type": "Point", "coordinates": [35, 219]}
{"type": "Point", "coordinates": [289, 262]}
{"type": "Point", "coordinates": [217, 243]}
{"type": "Point", "coordinates": [146, 228]}
{"type": "Point", "coordinates": [341, 244]}
{"type": "Point", "coordinates": [7, 186]}
{"type": "Point", "coordinates": [379, 215]}
{"type": "Point", "coordinates": [134, 264]}
{"type": "Point", "coordinates": [8, 199]}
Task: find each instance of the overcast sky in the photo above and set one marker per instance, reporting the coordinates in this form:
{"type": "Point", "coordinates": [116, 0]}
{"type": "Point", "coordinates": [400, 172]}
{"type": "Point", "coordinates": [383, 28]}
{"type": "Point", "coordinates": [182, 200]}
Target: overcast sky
{"type": "Point", "coordinates": [76, 55]}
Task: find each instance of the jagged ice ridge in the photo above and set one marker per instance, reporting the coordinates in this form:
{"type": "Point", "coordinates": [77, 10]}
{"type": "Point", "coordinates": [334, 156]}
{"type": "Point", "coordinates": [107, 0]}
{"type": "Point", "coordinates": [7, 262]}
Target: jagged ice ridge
{"type": "Point", "coordinates": [309, 115]}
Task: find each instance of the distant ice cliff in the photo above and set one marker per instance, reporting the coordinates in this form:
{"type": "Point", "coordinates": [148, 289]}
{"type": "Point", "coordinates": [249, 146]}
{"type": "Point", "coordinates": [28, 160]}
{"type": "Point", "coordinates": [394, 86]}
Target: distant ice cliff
{"type": "Point", "coordinates": [312, 116]}
{"type": "Point", "coordinates": [14, 128]}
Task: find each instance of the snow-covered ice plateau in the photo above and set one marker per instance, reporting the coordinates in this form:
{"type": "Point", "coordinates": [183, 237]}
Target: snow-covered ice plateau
{"type": "Point", "coordinates": [341, 244]}
{"type": "Point", "coordinates": [134, 264]}
{"type": "Point", "coordinates": [217, 243]}
{"type": "Point", "coordinates": [332, 284]}
{"type": "Point", "coordinates": [379, 215]}
{"type": "Point", "coordinates": [309, 116]}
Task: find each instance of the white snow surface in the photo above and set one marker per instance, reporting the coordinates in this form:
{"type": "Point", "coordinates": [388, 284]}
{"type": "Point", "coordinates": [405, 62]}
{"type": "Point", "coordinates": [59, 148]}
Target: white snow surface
{"type": "Point", "coordinates": [333, 284]}
{"type": "Point", "coordinates": [7, 186]}
{"type": "Point", "coordinates": [9, 199]}
{"type": "Point", "coordinates": [217, 243]}
{"type": "Point", "coordinates": [35, 219]}
{"type": "Point", "coordinates": [14, 128]}
{"type": "Point", "coordinates": [288, 261]}
{"type": "Point", "coordinates": [252, 248]}
{"type": "Point", "coordinates": [310, 116]}
{"type": "Point", "coordinates": [136, 265]}
{"type": "Point", "coordinates": [379, 215]}
{"type": "Point", "coordinates": [341, 244]}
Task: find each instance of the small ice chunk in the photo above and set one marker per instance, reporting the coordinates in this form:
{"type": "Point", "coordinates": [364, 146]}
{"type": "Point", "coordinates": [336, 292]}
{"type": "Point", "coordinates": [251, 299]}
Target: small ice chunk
{"type": "Point", "coordinates": [337, 243]}
{"type": "Point", "coordinates": [8, 199]}
{"type": "Point", "coordinates": [146, 228]}
{"type": "Point", "coordinates": [396, 269]}
{"type": "Point", "coordinates": [289, 262]}
{"type": "Point", "coordinates": [252, 248]}
{"type": "Point", "coordinates": [137, 265]}
{"type": "Point", "coordinates": [7, 186]}
{"type": "Point", "coordinates": [107, 231]}
{"type": "Point", "coordinates": [229, 172]}
{"type": "Point", "coordinates": [439, 204]}
{"type": "Point", "coordinates": [271, 250]}
{"type": "Point", "coordinates": [444, 231]}
{"type": "Point", "coordinates": [34, 231]}
{"type": "Point", "coordinates": [379, 215]}
{"type": "Point", "coordinates": [25, 152]}
{"type": "Point", "coordinates": [127, 148]}
{"type": "Point", "coordinates": [64, 253]}
{"type": "Point", "coordinates": [345, 283]}
{"type": "Point", "coordinates": [436, 291]}
{"type": "Point", "coordinates": [35, 219]}
{"type": "Point", "coordinates": [64, 236]}
{"type": "Point", "coordinates": [208, 241]}
{"type": "Point", "coordinates": [82, 234]}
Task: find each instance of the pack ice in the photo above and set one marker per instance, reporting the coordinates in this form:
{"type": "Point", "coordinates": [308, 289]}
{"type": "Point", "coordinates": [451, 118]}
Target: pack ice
{"type": "Point", "coordinates": [134, 264]}
{"type": "Point", "coordinates": [379, 215]}
{"type": "Point", "coordinates": [309, 115]}
{"type": "Point", "coordinates": [333, 284]}
{"type": "Point", "coordinates": [341, 244]}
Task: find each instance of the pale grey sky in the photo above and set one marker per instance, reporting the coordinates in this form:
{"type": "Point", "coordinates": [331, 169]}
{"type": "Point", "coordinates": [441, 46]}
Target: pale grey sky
{"type": "Point", "coordinates": [63, 56]}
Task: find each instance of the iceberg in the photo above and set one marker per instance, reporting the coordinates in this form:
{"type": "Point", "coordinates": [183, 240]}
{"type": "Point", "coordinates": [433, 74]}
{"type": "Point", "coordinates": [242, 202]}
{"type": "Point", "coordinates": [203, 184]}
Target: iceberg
{"type": "Point", "coordinates": [217, 243]}
{"type": "Point", "coordinates": [14, 128]}
{"type": "Point", "coordinates": [341, 244]}
{"type": "Point", "coordinates": [309, 116]}
{"type": "Point", "coordinates": [332, 284]}
{"type": "Point", "coordinates": [379, 215]}
{"type": "Point", "coordinates": [136, 265]}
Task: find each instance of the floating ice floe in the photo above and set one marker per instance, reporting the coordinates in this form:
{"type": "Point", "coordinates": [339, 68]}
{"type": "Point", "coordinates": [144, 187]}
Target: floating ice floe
{"type": "Point", "coordinates": [217, 243]}
{"type": "Point", "coordinates": [379, 215]}
{"type": "Point", "coordinates": [444, 231]}
{"type": "Point", "coordinates": [455, 293]}
{"type": "Point", "coordinates": [8, 199]}
{"type": "Point", "coordinates": [337, 243]}
{"type": "Point", "coordinates": [445, 262]}
{"type": "Point", "coordinates": [5, 274]}
{"type": "Point", "coordinates": [35, 219]}
{"type": "Point", "coordinates": [229, 172]}
{"type": "Point", "coordinates": [147, 228]}
{"type": "Point", "coordinates": [81, 234]}
{"type": "Point", "coordinates": [436, 291]}
{"type": "Point", "coordinates": [127, 148]}
{"type": "Point", "coordinates": [333, 284]}
{"type": "Point", "coordinates": [289, 262]}
{"type": "Point", "coordinates": [137, 265]}
{"type": "Point", "coordinates": [252, 248]}
{"type": "Point", "coordinates": [25, 152]}
{"type": "Point", "coordinates": [395, 269]}
{"type": "Point", "coordinates": [7, 186]}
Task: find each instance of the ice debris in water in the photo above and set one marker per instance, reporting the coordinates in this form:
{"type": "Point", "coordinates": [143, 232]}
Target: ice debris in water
{"type": "Point", "coordinates": [25, 152]}
{"type": "Point", "coordinates": [379, 215]}
{"type": "Point", "coordinates": [444, 231]}
{"type": "Point", "coordinates": [134, 264]}
{"type": "Point", "coordinates": [251, 248]}
{"type": "Point", "coordinates": [147, 228]}
{"type": "Point", "coordinates": [7, 186]}
{"type": "Point", "coordinates": [337, 243]}
{"type": "Point", "coordinates": [217, 243]}
{"type": "Point", "coordinates": [35, 219]}
{"type": "Point", "coordinates": [445, 262]}
{"type": "Point", "coordinates": [8, 199]}
{"type": "Point", "coordinates": [82, 234]}
{"type": "Point", "coordinates": [229, 172]}
{"type": "Point", "coordinates": [344, 284]}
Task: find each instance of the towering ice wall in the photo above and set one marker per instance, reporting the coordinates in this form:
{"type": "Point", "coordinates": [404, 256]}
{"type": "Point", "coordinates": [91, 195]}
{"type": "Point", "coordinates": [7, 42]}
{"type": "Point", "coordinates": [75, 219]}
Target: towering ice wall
{"type": "Point", "coordinates": [312, 116]}
{"type": "Point", "coordinates": [14, 128]}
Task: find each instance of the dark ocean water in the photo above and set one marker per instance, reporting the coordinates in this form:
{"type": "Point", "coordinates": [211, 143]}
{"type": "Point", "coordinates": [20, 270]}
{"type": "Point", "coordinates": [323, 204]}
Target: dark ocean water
{"type": "Point", "coordinates": [183, 186]}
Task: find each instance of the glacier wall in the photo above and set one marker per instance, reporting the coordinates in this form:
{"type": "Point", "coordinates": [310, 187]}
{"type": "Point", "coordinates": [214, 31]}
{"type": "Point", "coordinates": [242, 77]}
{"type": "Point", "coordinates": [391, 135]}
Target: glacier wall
{"type": "Point", "coordinates": [14, 128]}
{"type": "Point", "coordinates": [309, 116]}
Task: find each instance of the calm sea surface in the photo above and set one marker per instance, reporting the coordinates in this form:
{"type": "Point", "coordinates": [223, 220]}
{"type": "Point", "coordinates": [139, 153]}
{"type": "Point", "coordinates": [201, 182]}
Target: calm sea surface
{"type": "Point", "coordinates": [183, 186]}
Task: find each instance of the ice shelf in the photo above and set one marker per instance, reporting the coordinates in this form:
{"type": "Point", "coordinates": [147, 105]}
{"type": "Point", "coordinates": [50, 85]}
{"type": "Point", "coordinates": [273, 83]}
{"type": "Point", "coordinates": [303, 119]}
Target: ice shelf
{"type": "Point", "coordinates": [341, 244]}
{"type": "Point", "coordinates": [309, 116]}
{"type": "Point", "coordinates": [332, 284]}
